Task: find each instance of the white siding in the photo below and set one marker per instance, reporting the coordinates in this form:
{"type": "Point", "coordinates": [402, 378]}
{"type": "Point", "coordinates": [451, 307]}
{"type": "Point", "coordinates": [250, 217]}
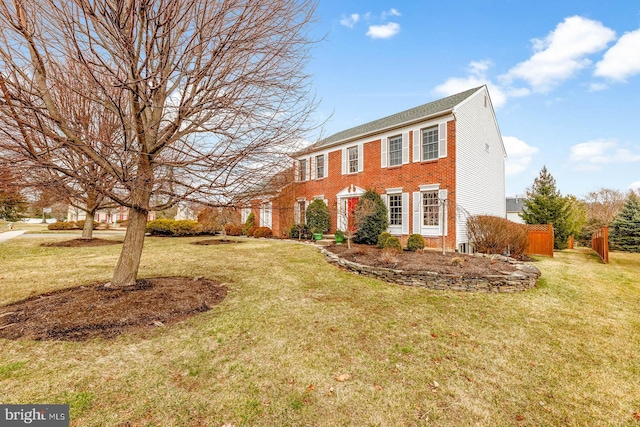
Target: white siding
{"type": "Point", "coordinates": [480, 178]}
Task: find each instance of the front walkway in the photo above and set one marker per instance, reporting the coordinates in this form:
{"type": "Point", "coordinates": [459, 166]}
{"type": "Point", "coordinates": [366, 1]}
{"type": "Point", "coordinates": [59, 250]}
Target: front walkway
{"type": "Point", "coordinates": [11, 234]}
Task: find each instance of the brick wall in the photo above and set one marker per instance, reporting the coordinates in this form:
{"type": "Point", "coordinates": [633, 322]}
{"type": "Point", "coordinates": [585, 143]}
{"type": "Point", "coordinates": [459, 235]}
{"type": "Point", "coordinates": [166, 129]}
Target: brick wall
{"type": "Point", "coordinates": [408, 176]}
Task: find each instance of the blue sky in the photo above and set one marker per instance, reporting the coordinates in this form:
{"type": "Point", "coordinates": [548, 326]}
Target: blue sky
{"type": "Point", "coordinates": [564, 77]}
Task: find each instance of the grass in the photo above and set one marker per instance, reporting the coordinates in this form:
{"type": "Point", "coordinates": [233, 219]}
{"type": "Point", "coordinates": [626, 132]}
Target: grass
{"type": "Point", "coordinates": [292, 326]}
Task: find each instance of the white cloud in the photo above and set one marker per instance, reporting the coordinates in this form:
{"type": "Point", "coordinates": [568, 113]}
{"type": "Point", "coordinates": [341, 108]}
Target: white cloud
{"type": "Point", "coordinates": [385, 31]}
{"type": "Point", "coordinates": [392, 12]}
{"type": "Point", "coordinates": [350, 21]}
{"type": "Point", "coordinates": [601, 151]}
{"type": "Point", "coordinates": [519, 155]}
{"type": "Point", "coordinates": [477, 77]}
{"type": "Point", "coordinates": [622, 60]}
{"type": "Point", "coordinates": [561, 54]}
{"type": "Point", "coordinates": [597, 87]}
{"type": "Point", "coordinates": [635, 186]}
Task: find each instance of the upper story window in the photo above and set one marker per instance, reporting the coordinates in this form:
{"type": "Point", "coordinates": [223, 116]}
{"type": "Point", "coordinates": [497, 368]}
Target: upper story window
{"type": "Point", "coordinates": [302, 170]}
{"type": "Point", "coordinates": [395, 150]}
{"type": "Point", "coordinates": [352, 157]}
{"type": "Point", "coordinates": [430, 143]}
{"type": "Point", "coordinates": [320, 167]}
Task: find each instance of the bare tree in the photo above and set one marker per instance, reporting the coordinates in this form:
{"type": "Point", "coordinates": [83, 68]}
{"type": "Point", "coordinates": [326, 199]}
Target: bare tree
{"type": "Point", "coordinates": [209, 94]}
{"type": "Point", "coordinates": [603, 205]}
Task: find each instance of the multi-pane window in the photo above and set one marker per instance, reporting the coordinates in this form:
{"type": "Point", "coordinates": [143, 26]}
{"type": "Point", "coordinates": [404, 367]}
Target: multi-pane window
{"type": "Point", "coordinates": [352, 155]}
{"type": "Point", "coordinates": [395, 150]}
{"type": "Point", "coordinates": [302, 170]}
{"type": "Point", "coordinates": [430, 143]}
{"type": "Point", "coordinates": [320, 166]}
{"type": "Point", "coordinates": [302, 211]}
{"type": "Point", "coordinates": [395, 209]}
{"type": "Point", "coordinates": [430, 209]}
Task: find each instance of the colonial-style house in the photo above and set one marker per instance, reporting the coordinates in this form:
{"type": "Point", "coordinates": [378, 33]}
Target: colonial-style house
{"type": "Point", "coordinates": [434, 165]}
{"type": "Point", "coordinates": [109, 216]}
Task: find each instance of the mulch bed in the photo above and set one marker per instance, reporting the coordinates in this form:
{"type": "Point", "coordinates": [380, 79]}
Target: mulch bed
{"type": "Point", "coordinates": [85, 312]}
{"type": "Point", "coordinates": [435, 261]}
{"type": "Point", "coordinates": [215, 242]}
{"type": "Point", "coordinates": [82, 243]}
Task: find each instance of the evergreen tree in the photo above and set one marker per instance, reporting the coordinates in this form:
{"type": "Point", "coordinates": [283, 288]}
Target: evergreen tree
{"type": "Point", "coordinates": [544, 204]}
{"type": "Point", "coordinates": [371, 213]}
{"type": "Point", "coordinates": [624, 231]}
{"type": "Point", "coordinates": [318, 217]}
{"type": "Point", "coordinates": [12, 202]}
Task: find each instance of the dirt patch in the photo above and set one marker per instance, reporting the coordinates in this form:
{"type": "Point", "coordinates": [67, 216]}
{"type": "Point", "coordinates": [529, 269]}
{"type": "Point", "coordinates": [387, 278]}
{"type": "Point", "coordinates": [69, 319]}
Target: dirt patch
{"type": "Point", "coordinates": [434, 261]}
{"type": "Point", "coordinates": [82, 243]}
{"type": "Point", "coordinates": [215, 242]}
{"type": "Point", "coordinates": [93, 311]}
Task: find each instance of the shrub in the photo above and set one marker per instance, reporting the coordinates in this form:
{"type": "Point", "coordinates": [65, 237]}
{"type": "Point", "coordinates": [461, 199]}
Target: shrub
{"type": "Point", "coordinates": [172, 227]}
{"type": "Point", "coordinates": [248, 224]}
{"type": "Point", "coordinates": [318, 217]}
{"type": "Point", "coordinates": [300, 231]}
{"type": "Point", "coordinates": [61, 225]}
{"type": "Point", "coordinates": [370, 216]}
{"type": "Point", "coordinates": [393, 244]}
{"type": "Point", "coordinates": [382, 239]}
{"type": "Point", "coordinates": [185, 227]}
{"type": "Point", "coordinates": [339, 234]}
{"type": "Point", "coordinates": [262, 232]}
{"type": "Point", "coordinates": [415, 242]}
{"type": "Point", "coordinates": [233, 230]}
{"type": "Point", "coordinates": [495, 235]}
{"type": "Point", "coordinates": [159, 227]}
{"type": "Point", "coordinates": [80, 224]}
{"type": "Point", "coordinates": [250, 231]}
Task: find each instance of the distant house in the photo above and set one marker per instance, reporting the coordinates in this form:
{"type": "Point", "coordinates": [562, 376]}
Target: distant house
{"type": "Point", "coordinates": [434, 165]}
{"type": "Point", "coordinates": [111, 216]}
{"type": "Point", "coordinates": [514, 209]}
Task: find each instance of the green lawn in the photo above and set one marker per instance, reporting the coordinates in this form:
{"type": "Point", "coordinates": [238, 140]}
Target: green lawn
{"type": "Point", "coordinates": [564, 353]}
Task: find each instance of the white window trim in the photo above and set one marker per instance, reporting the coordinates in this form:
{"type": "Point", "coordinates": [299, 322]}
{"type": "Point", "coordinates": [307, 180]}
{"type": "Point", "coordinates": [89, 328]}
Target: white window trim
{"type": "Point", "coordinates": [266, 214]}
{"type": "Point", "coordinates": [345, 159]}
{"type": "Point", "coordinates": [325, 166]}
{"type": "Point", "coordinates": [418, 212]}
{"type": "Point", "coordinates": [442, 142]}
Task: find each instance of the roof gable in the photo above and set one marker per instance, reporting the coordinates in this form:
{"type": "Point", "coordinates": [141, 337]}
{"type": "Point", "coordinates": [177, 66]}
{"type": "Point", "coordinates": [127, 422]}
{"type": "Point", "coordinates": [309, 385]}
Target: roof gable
{"type": "Point", "coordinates": [426, 110]}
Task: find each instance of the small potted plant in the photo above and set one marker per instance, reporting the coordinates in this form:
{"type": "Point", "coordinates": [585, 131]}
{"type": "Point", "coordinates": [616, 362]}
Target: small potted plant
{"type": "Point", "coordinates": [339, 236]}
{"type": "Point", "coordinates": [317, 234]}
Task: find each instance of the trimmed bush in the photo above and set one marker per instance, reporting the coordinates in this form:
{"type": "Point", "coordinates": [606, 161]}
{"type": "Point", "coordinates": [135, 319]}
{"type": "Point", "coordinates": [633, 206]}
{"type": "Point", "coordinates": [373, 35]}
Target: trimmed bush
{"type": "Point", "coordinates": [370, 216]}
{"type": "Point", "coordinates": [233, 230]}
{"type": "Point", "coordinates": [318, 217]}
{"type": "Point", "coordinates": [61, 225]}
{"type": "Point", "coordinates": [300, 231]}
{"type": "Point", "coordinates": [262, 232]}
{"type": "Point", "coordinates": [393, 244]}
{"type": "Point", "coordinates": [415, 242]}
{"type": "Point", "coordinates": [495, 235]}
{"type": "Point", "coordinates": [160, 227]}
{"type": "Point", "coordinates": [382, 239]}
{"type": "Point", "coordinates": [174, 228]}
{"type": "Point", "coordinates": [186, 228]}
{"type": "Point", "coordinates": [250, 231]}
{"type": "Point", "coordinates": [249, 224]}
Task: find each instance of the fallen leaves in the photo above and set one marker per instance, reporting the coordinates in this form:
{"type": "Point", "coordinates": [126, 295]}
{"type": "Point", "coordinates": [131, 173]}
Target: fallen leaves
{"type": "Point", "coordinates": [342, 378]}
{"type": "Point", "coordinates": [636, 415]}
{"type": "Point", "coordinates": [519, 418]}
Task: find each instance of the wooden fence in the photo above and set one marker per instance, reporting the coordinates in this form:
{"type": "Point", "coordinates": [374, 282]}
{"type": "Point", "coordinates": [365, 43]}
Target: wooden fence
{"type": "Point", "coordinates": [540, 239]}
{"type": "Point", "coordinates": [600, 243]}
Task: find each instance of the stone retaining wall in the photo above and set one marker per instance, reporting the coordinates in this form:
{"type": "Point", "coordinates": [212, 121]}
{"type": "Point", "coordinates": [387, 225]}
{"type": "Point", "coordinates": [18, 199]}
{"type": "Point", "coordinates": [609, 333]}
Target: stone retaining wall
{"type": "Point", "coordinates": [525, 277]}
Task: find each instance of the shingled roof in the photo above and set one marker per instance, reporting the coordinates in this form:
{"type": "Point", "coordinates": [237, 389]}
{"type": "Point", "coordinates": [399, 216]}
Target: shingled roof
{"type": "Point", "coordinates": [416, 113]}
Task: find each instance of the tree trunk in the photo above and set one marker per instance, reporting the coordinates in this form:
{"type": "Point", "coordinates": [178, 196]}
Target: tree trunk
{"type": "Point", "coordinates": [87, 230]}
{"type": "Point", "coordinates": [129, 261]}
